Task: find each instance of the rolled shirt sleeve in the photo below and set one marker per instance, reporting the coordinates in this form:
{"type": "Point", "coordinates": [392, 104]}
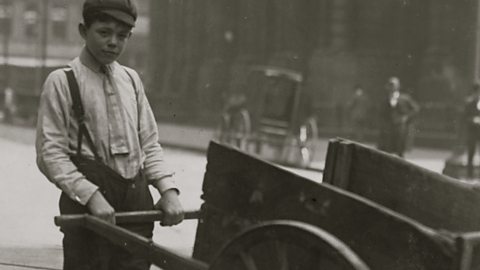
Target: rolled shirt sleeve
{"type": "Point", "coordinates": [155, 167]}
{"type": "Point", "coordinates": [52, 141]}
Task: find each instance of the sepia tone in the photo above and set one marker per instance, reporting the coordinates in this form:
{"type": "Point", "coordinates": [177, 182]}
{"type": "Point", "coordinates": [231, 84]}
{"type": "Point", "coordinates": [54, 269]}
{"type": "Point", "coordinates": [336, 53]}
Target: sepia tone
{"type": "Point", "coordinates": [308, 82]}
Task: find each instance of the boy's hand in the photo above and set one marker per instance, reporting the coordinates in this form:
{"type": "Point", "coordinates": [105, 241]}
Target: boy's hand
{"type": "Point", "coordinates": [171, 207]}
{"type": "Point", "coordinates": [100, 208]}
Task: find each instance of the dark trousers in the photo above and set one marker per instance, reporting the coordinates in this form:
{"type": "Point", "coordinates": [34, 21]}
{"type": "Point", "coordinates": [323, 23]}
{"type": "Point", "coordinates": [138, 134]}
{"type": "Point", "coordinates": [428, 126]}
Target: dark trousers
{"type": "Point", "coordinates": [473, 138]}
{"type": "Point", "coordinates": [358, 129]}
{"type": "Point", "coordinates": [84, 250]}
{"type": "Point", "coordinates": [394, 139]}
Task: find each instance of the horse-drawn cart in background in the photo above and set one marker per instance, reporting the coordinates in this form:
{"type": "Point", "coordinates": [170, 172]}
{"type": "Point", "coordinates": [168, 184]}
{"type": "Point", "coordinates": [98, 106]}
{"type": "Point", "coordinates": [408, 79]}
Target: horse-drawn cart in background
{"type": "Point", "coordinates": [384, 213]}
{"type": "Point", "coordinates": [277, 122]}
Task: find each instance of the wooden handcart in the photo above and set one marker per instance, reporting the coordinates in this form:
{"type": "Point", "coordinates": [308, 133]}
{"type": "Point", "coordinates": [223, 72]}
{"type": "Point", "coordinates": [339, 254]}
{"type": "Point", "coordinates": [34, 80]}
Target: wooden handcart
{"type": "Point", "coordinates": [384, 213]}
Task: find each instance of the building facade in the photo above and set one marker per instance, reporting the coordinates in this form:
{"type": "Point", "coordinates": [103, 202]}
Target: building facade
{"type": "Point", "coordinates": [203, 49]}
{"type": "Point", "coordinates": [37, 36]}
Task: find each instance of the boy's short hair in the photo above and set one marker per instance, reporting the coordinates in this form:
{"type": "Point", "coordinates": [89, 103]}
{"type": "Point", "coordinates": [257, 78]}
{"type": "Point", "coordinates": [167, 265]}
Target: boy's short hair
{"type": "Point", "coordinates": [124, 11]}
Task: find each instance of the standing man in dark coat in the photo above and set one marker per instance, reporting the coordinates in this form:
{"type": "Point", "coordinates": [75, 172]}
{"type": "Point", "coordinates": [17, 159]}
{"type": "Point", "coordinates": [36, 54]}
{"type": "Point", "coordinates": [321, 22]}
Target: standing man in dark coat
{"type": "Point", "coordinates": [396, 114]}
{"type": "Point", "coordinates": [472, 125]}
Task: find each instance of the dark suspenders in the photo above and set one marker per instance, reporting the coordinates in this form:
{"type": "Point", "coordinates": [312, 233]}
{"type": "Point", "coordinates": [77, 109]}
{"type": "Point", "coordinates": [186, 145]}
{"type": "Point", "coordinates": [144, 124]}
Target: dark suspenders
{"type": "Point", "coordinates": [79, 113]}
{"type": "Point", "coordinates": [136, 98]}
{"type": "Point", "coordinates": [116, 189]}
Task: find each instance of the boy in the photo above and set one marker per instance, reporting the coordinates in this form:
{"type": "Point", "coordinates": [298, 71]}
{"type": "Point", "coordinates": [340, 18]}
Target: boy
{"type": "Point", "coordinates": [97, 140]}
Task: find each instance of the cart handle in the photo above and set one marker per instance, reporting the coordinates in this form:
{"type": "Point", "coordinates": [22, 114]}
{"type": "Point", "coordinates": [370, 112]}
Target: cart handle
{"type": "Point", "coordinates": [140, 245]}
{"type": "Point", "coordinates": [123, 217]}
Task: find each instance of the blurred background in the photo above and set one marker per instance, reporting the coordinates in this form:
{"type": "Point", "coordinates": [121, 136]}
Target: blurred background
{"type": "Point", "coordinates": [192, 53]}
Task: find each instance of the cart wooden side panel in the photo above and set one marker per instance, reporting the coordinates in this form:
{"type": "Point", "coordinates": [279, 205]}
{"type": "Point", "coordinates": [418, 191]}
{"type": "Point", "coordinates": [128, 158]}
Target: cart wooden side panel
{"type": "Point", "coordinates": [468, 245]}
{"type": "Point", "coordinates": [433, 199]}
{"type": "Point", "coordinates": [240, 190]}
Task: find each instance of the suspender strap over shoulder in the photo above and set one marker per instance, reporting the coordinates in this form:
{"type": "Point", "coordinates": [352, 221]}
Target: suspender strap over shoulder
{"type": "Point", "coordinates": [136, 98]}
{"type": "Point", "coordinates": [79, 114]}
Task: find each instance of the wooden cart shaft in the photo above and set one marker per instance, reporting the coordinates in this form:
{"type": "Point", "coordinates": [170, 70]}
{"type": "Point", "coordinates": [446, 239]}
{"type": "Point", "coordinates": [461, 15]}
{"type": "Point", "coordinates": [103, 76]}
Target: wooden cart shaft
{"type": "Point", "coordinates": [142, 246]}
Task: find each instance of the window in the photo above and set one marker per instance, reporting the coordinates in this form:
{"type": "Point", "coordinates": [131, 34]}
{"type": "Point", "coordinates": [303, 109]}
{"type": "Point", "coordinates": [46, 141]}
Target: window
{"type": "Point", "coordinates": [58, 15]}
{"type": "Point", "coordinates": [5, 17]}
{"type": "Point", "coordinates": [31, 19]}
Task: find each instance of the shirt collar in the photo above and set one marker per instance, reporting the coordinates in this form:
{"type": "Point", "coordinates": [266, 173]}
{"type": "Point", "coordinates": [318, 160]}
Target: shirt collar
{"type": "Point", "coordinates": [87, 59]}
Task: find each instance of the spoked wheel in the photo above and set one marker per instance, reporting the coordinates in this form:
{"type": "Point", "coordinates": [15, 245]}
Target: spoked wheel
{"type": "Point", "coordinates": [300, 148]}
{"type": "Point", "coordinates": [306, 138]}
{"type": "Point", "coordinates": [235, 129]}
{"type": "Point", "coordinates": [286, 245]}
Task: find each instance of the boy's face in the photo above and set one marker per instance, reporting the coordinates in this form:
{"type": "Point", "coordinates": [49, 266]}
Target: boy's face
{"type": "Point", "coordinates": [106, 41]}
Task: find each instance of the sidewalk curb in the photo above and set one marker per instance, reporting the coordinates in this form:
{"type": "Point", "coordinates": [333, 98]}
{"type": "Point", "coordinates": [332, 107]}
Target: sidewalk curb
{"type": "Point", "coordinates": [169, 136]}
{"type": "Point", "coordinates": [185, 137]}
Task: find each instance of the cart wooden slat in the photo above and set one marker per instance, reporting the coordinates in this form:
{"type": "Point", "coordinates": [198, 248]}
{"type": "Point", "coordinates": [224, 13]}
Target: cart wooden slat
{"type": "Point", "coordinates": [434, 200]}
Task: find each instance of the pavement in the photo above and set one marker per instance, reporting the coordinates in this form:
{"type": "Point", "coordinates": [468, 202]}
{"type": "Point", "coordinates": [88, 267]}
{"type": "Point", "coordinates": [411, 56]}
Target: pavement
{"type": "Point", "coordinates": [198, 138]}
{"type": "Point", "coordinates": [27, 205]}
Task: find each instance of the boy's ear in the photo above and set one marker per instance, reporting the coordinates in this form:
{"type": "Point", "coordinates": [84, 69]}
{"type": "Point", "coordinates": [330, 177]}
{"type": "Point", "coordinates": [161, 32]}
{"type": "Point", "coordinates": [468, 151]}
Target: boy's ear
{"type": "Point", "coordinates": [82, 29]}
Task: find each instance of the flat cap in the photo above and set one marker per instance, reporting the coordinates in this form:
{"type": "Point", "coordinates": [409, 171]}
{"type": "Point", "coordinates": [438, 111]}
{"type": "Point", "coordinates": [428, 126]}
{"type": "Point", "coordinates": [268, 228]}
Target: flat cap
{"type": "Point", "coordinates": [122, 10]}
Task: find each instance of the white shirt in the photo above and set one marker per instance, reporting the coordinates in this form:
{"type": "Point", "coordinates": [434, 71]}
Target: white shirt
{"type": "Point", "coordinates": [57, 128]}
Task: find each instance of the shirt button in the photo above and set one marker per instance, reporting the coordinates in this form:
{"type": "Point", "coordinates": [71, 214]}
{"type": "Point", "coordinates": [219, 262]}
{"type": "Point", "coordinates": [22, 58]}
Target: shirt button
{"type": "Point", "coordinates": [133, 186]}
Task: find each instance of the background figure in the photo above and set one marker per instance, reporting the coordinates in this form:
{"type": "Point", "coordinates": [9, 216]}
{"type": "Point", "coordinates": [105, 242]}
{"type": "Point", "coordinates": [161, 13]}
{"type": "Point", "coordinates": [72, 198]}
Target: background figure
{"type": "Point", "coordinates": [472, 125]}
{"type": "Point", "coordinates": [9, 106]}
{"type": "Point", "coordinates": [396, 113]}
{"type": "Point", "coordinates": [357, 111]}
{"type": "Point", "coordinates": [235, 126]}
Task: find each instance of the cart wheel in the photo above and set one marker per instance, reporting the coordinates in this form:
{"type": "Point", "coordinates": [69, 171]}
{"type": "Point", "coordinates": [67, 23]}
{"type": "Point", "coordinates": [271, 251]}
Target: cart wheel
{"type": "Point", "coordinates": [300, 149]}
{"type": "Point", "coordinates": [286, 245]}
{"type": "Point", "coordinates": [235, 129]}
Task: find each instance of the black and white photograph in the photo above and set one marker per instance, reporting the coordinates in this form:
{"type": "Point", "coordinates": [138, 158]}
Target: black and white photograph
{"type": "Point", "coordinates": [240, 134]}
